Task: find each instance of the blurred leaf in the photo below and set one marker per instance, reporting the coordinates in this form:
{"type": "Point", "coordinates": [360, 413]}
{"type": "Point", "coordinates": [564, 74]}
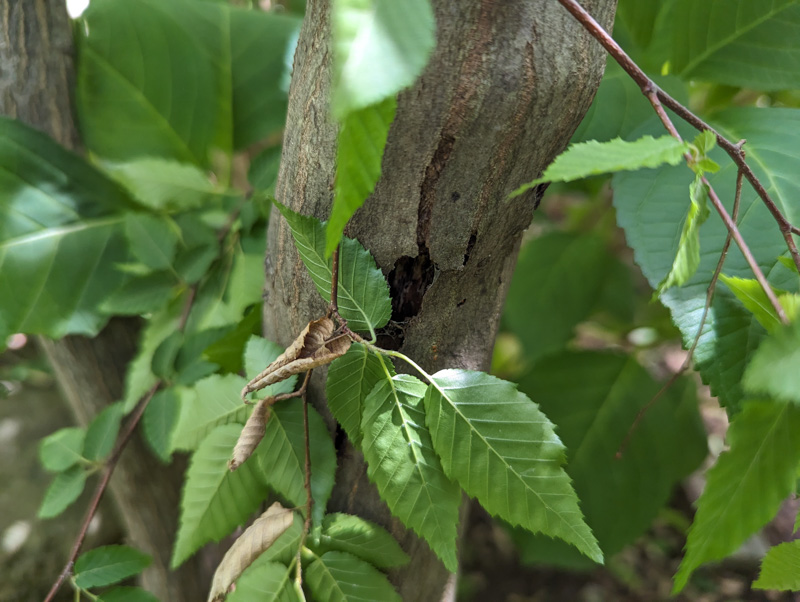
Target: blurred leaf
{"type": "Point", "coordinates": [753, 297]}
{"type": "Point", "coordinates": [127, 594]}
{"type": "Point", "coordinates": [102, 433]}
{"type": "Point", "coordinates": [65, 488]}
{"type": "Point", "coordinates": [165, 354]}
{"type": "Point", "coordinates": [107, 565]}
{"type": "Point", "coordinates": [361, 538]}
{"type": "Point", "coordinates": [140, 295]}
{"type": "Point", "coordinates": [159, 420]}
{"type": "Point", "coordinates": [263, 172]}
{"type": "Point", "coordinates": [746, 486]}
{"type": "Point", "coordinates": [152, 239]}
{"type": "Point", "coordinates": [341, 577]}
{"type": "Point", "coordinates": [227, 352]}
{"type": "Point", "coordinates": [62, 449]}
{"type": "Point", "coordinates": [780, 568]}
{"type": "Point", "coordinates": [215, 500]}
{"type": "Point", "coordinates": [773, 370]}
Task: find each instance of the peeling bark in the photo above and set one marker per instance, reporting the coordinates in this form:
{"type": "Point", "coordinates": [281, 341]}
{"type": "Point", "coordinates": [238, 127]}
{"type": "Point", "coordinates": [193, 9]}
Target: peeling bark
{"type": "Point", "coordinates": [505, 89]}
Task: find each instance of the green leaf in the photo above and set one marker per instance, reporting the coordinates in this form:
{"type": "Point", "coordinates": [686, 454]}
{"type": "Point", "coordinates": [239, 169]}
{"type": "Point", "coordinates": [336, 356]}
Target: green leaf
{"type": "Point", "coordinates": [260, 353]}
{"type": "Point", "coordinates": [688, 256]}
{"type": "Point", "coordinates": [753, 297]}
{"type": "Point", "coordinates": [263, 172]}
{"type": "Point", "coordinates": [211, 402]}
{"type": "Point", "coordinates": [159, 420]}
{"type": "Point", "coordinates": [593, 399]}
{"type": "Point", "coordinates": [361, 538]}
{"type": "Point", "coordinates": [341, 577]}
{"type": "Point", "coordinates": [497, 444]}
{"type": "Point", "coordinates": [363, 293]}
{"type": "Point", "coordinates": [359, 151]}
{"type": "Point", "coordinates": [556, 285]}
{"type": "Point", "coordinates": [107, 565]}
{"type": "Point", "coordinates": [402, 463]}
{"type": "Point", "coordinates": [350, 378]}
{"type": "Point", "coordinates": [281, 456]}
{"type": "Point", "coordinates": [62, 449]}
{"type": "Point", "coordinates": [737, 42]}
{"type": "Point", "coordinates": [650, 207]}
{"type": "Point", "coordinates": [265, 581]}
{"type": "Point", "coordinates": [746, 486]}
{"type": "Point", "coordinates": [593, 158]}
{"type": "Point", "coordinates": [141, 295]}
{"type": "Point", "coordinates": [127, 594]}
{"type": "Point", "coordinates": [215, 500]}
{"type": "Point", "coordinates": [379, 48]}
{"type": "Point", "coordinates": [780, 568]}
{"type": "Point", "coordinates": [102, 433]}
{"type": "Point", "coordinates": [65, 489]}
{"type": "Point", "coordinates": [773, 369]}
{"type": "Point", "coordinates": [60, 236]}
{"type": "Point", "coordinates": [152, 239]}
{"type": "Point", "coordinates": [227, 352]}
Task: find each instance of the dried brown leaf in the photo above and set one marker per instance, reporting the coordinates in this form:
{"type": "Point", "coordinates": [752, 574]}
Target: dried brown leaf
{"type": "Point", "coordinates": [252, 433]}
{"type": "Point", "coordinates": [316, 346]}
{"type": "Point", "coordinates": [257, 537]}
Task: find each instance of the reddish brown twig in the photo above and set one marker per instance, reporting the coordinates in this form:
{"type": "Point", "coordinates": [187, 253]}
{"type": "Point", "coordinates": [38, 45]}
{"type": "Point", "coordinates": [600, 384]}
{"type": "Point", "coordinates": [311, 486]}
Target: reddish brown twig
{"type": "Point", "coordinates": [335, 281]}
{"type": "Point", "coordinates": [309, 498]}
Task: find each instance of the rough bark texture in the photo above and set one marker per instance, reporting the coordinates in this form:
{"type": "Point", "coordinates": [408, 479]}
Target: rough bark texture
{"type": "Point", "coordinates": [506, 87]}
{"type": "Point", "coordinates": [36, 77]}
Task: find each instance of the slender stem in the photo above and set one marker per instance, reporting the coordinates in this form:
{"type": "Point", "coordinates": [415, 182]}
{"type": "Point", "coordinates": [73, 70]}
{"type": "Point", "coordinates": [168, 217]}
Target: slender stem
{"type": "Point", "coordinates": [309, 497]}
{"type": "Point", "coordinates": [335, 281]}
{"type": "Point", "coordinates": [649, 86]}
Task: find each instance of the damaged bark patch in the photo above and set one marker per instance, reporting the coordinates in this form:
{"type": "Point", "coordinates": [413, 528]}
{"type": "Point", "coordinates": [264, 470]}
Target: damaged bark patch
{"type": "Point", "coordinates": [408, 281]}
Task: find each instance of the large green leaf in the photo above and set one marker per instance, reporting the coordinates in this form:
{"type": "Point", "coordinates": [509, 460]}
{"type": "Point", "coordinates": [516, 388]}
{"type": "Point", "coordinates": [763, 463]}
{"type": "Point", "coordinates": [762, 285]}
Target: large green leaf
{"type": "Point", "coordinates": [179, 79]}
{"type": "Point", "coordinates": [215, 499]}
{"type": "Point", "coordinates": [341, 577]}
{"type": "Point", "coordinates": [361, 538]}
{"type": "Point", "coordinates": [107, 565]}
{"type": "Point", "coordinates": [650, 207]}
{"type": "Point", "coordinates": [60, 236]}
{"type": "Point", "coordinates": [379, 48]}
{"type": "Point", "coordinates": [362, 138]}
{"type": "Point", "coordinates": [265, 581]}
{"type": "Point", "coordinates": [746, 486]}
{"type": "Point", "coordinates": [737, 42]}
{"type": "Point", "coordinates": [593, 399]}
{"type": "Point", "coordinates": [556, 285]}
{"type": "Point", "coordinates": [282, 456]}
{"type": "Point", "coordinates": [363, 293]}
{"type": "Point", "coordinates": [350, 378]}
{"type": "Point", "coordinates": [497, 444]}
{"type": "Point", "coordinates": [780, 568]}
{"type": "Point", "coordinates": [773, 371]}
{"type": "Point", "coordinates": [401, 461]}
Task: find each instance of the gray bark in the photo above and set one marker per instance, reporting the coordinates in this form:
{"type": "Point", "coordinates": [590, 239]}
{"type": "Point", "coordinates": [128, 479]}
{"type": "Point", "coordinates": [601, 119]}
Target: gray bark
{"type": "Point", "coordinates": [36, 82]}
{"type": "Point", "coordinates": [507, 85]}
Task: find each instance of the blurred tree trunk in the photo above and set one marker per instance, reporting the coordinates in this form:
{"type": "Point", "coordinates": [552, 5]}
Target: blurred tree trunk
{"type": "Point", "coordinates": [505, 89]}
{"type": "Point", "coordinates": [36, 83]}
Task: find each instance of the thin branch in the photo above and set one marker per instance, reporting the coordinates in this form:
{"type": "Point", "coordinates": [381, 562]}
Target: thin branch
{"type": "Point", "coordinates": [647, 84]}
{"type": "Point", "coordinates": [309, 498]}
{"type": "Point", "coordinates": [690, 354]}
{"type": "Point", "coordinates": [335, 281]}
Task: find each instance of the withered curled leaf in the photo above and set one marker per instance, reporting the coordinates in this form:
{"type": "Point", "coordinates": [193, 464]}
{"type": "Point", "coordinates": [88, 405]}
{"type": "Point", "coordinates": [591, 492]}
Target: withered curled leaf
{"type": "Point", "coordinates": [257, 537]}
{"type": "Point", "coordinates": [252, 433]}
{"type": "Point", "coordinates": [316, 346]}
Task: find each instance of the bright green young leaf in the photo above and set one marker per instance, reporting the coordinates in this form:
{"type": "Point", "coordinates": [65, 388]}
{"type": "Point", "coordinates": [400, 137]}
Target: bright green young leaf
{"type": "Point", "coordinates": [152, 239]}
{"type": "Point", "coordinates": [650, 208]}
{"type": "Point", "coordinates": [158, 422]}
{"type": "Point", "coordinates": [60, 236]}
{"type": "Point", "coordinates": [215, 499]}
{"type": "Point", "coordinates": [63, 490]}
{"type": "Point", "coordinates": [593, 158]}
{"type": "Point", "coordinates": [62, 449]}
{"type": "Point", "coordinates": [260, 353]}
{"type": "Point", "coordinates": [688, 257]}
{"type": "Point", "coordinates": [737, 42]}
{"type": "Point", "coordinates": [497, 444]}
{"type": "Point", "coordinates": [363, 293]}
{"type": "Point", "coordinates": [281, 456]}
{"type": "Point", "coordinates": [379, 48]}
{"type": "Point", "coordinates": [350, 378]}
{"type": "Point", "coordinates": [556, 285]}
{"type": "Point", "coordinates": [362, 138]}
{"type": "Point", "coordinates": [361, 538]}
{"type": "Point", "coordinates": [746, 486]}
{"type": "Point", "coordinates": [211, 402]}
{"type": "Point", "coordinates": [265, 581]}
{"type": "Point", "coordinates": [109, 564]}
{"type": "Point", "coordinates": [402, 462]}
{"type": "Point", "coordinates": [139, 295]}
{"type": "Point", "coordinates": [773, 370]}
{"type": "Point", "coordinates": [126, 593]}
{"type": "Point", "coordinates": [780, 568]}
{"type": "Point", "coordinates": [102, 433]}
{"type": "Point", "coordinates": [593, 398]}
{"type": "Point", "coordinates": [753, 297]}
{"type": "Point", "coordinates": [341, 577]}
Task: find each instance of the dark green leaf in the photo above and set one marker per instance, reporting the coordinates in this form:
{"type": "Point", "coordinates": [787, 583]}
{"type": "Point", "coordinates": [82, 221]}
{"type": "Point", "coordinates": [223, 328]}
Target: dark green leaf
{"type": "Point", "coordinates": [159, 420]}
{"type": "Point", "coordinates": [165, 354]}
{"type": "Point", "coordinates": [107, 565]}
{"type": "Point", "coordinates": [228, 351]}
{"type": "Point", "coordinates": [102, 433]}
{"type": "Point", "coordinates": [263, 172]}
{"type": "Point", "coordinates": [341, 577]}
{"type": "Point", "coordinates": [361, 538]}
{"type": "Point", "coordinates": [65, 489]}
{"type": "Point", "coordinates": [62, 449]}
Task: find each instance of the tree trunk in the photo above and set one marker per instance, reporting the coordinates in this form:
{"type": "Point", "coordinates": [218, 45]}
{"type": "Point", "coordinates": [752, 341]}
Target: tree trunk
{"type": "Point", "coordinates": [36, 83]}
{"type": "Point", "coordinates": [505, 88]}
